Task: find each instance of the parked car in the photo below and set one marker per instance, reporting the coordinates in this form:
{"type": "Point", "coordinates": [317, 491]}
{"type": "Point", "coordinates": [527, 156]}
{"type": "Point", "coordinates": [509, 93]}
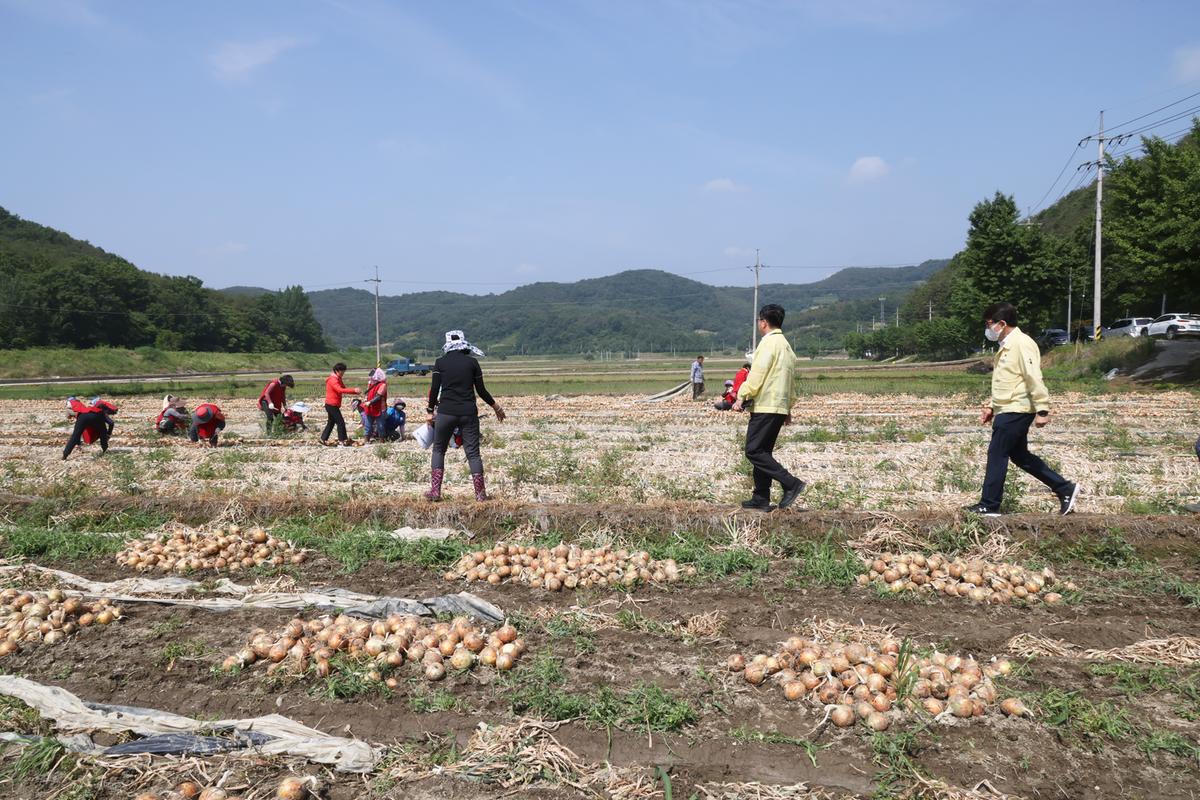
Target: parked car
{"type": "Point", "coordinates": [1053, 337]}
{"type": "Point", "coordinates": [404, 366]}
{"type": "Point", "coordinates": [1129, 326]}
{"type": "Point", "coordinates": [1175, 325]}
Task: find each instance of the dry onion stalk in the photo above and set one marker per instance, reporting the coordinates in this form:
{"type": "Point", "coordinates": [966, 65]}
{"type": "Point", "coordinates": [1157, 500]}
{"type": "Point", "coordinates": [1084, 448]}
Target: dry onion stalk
{"type": "Point", "coordinates": [566, 567]}
{"type": "Point", "coordinates": [384, 645]}
{"type": "Point", "coordinates": [877, 682]}
{"type": "Point", "coordinates": [230, 548]}
{"type": "Point", "coordinates": [974, 579]}
{"type": "Point", "coordinates": [31, 618]}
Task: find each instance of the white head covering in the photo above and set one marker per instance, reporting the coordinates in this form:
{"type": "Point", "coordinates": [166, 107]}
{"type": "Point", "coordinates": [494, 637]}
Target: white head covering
{"type": "Point", "coordinates": [457, 340]}
{"type": "Point", "coordinates": [378, 376]}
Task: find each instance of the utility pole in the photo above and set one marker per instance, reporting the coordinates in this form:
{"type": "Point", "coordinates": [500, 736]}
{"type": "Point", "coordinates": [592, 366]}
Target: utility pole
{"type": "Point", "coordinates": [897, 315]}
{"type": "Point", "coordinates": [754, 322]}
{"type": "Point", "coordinates": [1099, 219]}
{"type": "Point", "coordinates": [378, 352]}
{"type": "Point", "coordinates": [1070, 292]}
{"type": "Point", "coordinates": [882, 318]}
{"type": "Point", "coordinates": [931, 311]}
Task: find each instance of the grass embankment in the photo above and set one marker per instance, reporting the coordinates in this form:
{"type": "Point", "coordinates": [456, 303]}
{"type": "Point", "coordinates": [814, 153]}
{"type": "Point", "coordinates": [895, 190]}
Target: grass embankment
{"type": "Point", "coordinates": [1091, 361]}
{"type": "Point", "coordinates": [105, 361]}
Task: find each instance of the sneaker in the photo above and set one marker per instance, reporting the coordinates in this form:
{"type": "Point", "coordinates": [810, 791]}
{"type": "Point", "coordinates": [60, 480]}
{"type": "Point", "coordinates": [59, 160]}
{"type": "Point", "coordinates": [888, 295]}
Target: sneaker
{"type": "Point", "coordinates": [790, 495]}
{"type": "Point", "coordinates": [981, 510]}
{"type": "Point", "coordinates": [757, 504]}
{"type": "Point", "coordinates": [1066, 502]}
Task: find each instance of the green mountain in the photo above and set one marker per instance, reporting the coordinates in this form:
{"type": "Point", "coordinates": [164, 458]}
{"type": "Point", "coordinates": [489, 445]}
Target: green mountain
{"type": "Point", "coordinates": [646, 310]}
{"type": "Point", "coordinates": [59, 291]}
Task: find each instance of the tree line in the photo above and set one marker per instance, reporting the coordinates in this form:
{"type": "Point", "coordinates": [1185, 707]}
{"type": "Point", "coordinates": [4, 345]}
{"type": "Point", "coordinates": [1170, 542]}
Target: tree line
{"type": "Point", "coordinates": [59, 291]}
{"type": "Point", "coordinates": [1151, 254]}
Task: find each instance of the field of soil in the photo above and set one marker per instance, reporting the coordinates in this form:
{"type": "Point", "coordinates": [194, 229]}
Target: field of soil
{"type": "Point", "coordinates": [626, 693]}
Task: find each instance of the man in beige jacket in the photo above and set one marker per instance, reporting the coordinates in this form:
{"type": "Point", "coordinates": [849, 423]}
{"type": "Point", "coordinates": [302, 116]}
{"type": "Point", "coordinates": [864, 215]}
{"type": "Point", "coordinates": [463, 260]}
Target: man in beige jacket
{"type": "Point", "coordinates": [1019, 399]}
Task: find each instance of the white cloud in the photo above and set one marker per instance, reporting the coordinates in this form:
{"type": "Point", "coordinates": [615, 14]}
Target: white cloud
{"type": "Point", "coordinates": [868, 168]}
{"type": "Point", "coordinates": [236, 60]}
{"type": "Point", "coordinates": [526, 269]}
{"type": "Point", "coordinates": [1186, 66]}
{"type": "Point", "coordinates": [724, 185]}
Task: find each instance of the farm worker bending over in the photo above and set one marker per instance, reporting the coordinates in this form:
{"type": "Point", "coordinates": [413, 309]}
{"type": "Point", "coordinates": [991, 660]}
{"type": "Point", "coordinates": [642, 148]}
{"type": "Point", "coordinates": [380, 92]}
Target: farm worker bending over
{"type": "Point", "coordinates": [393, 423]}
{"type": "Point", "coordinates": [697, 377]}
{"type": "Point", "coordinates": [334, 389]}
{"type": "Point", "coordinates": [172, 417]}
{"type": "Point", "coordinates": [1019, 399]}
{"type": "Point", "coordinates": [374, 406]}
{"type": "Point", "coordinates": [457, 378]}
{"type": "Point", "coordinates": [93, 420]}
{"type": "Point", "coordinates": [273, 399]}
{"type": "Point", "coordinates": [771, 386]}
{"type": "Point", "coordinates": [207, 420]}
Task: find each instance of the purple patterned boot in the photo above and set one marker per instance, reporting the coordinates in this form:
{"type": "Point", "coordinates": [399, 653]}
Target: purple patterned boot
{"type": "Point", "coordinates": [480, 487]}
{"type": "Point", "coordinates": [435, 485]}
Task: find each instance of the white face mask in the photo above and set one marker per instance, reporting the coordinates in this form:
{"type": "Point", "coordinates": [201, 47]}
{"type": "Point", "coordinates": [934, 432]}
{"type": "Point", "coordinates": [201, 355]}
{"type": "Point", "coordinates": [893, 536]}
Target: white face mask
{"type": "Point", "coordinates": [991, 333]}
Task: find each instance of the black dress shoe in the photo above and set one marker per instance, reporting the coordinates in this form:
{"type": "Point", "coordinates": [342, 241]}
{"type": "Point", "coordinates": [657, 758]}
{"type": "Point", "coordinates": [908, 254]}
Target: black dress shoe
{"type": "Point", "coordinates": [757, 504]}
{"type": "Point", "coordinates": [790, 495]}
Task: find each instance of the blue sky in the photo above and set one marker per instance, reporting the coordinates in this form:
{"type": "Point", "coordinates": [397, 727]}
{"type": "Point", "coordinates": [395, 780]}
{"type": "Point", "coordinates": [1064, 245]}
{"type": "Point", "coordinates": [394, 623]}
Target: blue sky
{"type": "Point", "coordinates": [479, 145]}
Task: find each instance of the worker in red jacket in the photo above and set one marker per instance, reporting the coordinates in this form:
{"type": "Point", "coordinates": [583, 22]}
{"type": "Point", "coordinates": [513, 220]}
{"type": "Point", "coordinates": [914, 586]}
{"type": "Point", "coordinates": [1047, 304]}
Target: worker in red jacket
{"type": "Point", "coordinates": [207, 420]}
{"type": "Point", "coordinates": [93, 420]}
{"type": "Point", "coordinates": [273, 400]}
{"type": "Point", "coordinates": [374, 405]}
{"type": "Point", "coordinates": [739, 378]}
{"type": "Point", "coordinates": [334, 389]}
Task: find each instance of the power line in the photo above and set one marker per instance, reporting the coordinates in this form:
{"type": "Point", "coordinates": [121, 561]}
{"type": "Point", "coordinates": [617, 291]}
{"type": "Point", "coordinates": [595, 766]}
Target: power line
{"type": "Point", "coordinates": [1061, 172]}
{"type": "Point", "coordinates": [1157, 124]}
{"type": "Point", "coordinates": [1155, 111]}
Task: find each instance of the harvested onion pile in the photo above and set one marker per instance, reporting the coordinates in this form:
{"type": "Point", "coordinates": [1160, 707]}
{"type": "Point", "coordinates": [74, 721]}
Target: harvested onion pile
{"type": "Point", "coordinates": [29, 618]}
{"type": "Point", "coordinates": [565, 567]}
{"type": "Point", "coordinates": [859, 682]}
{"type": "Point", "coordinates": [289, 789]}
{"type": "Point", "coordinates": [229, 548]}
{"type": "Point", "coordinates": [387, 644]}
{"type": "Point", "coordinates": [975, 579]}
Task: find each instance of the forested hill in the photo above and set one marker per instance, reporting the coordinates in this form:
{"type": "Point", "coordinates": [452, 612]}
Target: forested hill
{"type": "Point", "coordinates": [59, 291]}
{"type": "Point", "coordinates": [634, 310]}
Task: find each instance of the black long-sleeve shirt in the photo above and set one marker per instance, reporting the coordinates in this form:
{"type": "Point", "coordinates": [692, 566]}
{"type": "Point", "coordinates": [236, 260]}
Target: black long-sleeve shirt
{"type": "Point", "coordinates": [457, 378]}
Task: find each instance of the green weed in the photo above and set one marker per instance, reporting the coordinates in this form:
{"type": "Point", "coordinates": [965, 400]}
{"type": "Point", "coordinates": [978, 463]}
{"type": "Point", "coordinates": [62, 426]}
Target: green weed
{"type": "Point", "coordinates": [432, 702]}
{"type": "Point", "coordinates": [1076, 717]}
{"type": "Point", "coordinates": [744, 733]}
{"type": "Point", "coordinates": [825, 564]}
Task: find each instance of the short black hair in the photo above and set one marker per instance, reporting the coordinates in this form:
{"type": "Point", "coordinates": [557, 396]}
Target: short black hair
{"type": "Point", "coordinates": [288, 380]}
{"type": "Point", "coordinates": [1001, 312]}
{"type": "Point", "coordinates": [700, 358]}
{"type": "Point", "coordinates": [746, 365]}
{"type": "Point", "coordinates": [772, 314]}
{"type": "Point", "coordinates": [339, 367]}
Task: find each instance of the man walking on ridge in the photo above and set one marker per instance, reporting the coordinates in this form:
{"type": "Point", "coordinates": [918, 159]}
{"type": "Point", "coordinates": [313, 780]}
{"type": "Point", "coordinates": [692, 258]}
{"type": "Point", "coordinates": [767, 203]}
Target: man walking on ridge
{"type": "Point", "coordinates": [1019, 399]}
{"type": "Point", "coordinates": [771, 387]}
{"type": "Point", "coordinates": [697, 377]}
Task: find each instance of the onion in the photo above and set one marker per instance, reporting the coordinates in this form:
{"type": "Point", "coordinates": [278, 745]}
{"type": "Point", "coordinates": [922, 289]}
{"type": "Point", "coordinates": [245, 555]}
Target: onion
{"type": "Point", "coordinates": [736, 662]}
{"type": "Point", "coordinates": [877, 722]}
{"type": "Point", "coordinates": [962, 707]}
{"type": "Point", "coordinates": [506, 633]}
{"type": "Point", "coordinates": [754, 674]}
{"type": "Point", "coordinates": [933, 705]}
{"type": "Point", "coordinates": [1013, 707]}
{"type": "Point", "coordinates": [487, 656]}
{"type": "Point", "coordinates": [435, 672]}
{"type": "Point", "coordinates": [188, 789]}
{"type": "Point", "coordinates": [793, 690]}
{"type": "Point", "coordinates": [862, 709]}
{"type": "Point", "coordinates": [842, 716]}
{"type": "Point", "coordinates": [504, 662]}
{"type": "Point", "coordinates": [462, 659]}
{"type": "Point", "coordinates": [213, 793]}
{"type": "Point", "coordinates": [291, 789]}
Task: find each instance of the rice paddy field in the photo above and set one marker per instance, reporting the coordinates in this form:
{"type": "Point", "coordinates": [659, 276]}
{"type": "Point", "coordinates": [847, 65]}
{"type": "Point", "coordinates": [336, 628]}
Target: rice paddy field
{"type": "Point", "coordinates": [274, 618]}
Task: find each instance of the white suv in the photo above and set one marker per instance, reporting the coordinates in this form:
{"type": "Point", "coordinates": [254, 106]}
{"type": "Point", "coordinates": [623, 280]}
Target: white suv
{"type": "Point", "coordinates": [1130, 326]}
{"type": "Point", "coordinates": [1175, 325]}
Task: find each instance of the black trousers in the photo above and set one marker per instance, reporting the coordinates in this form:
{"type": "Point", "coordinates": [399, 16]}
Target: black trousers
{"type": "Point", "coordinates": [1010, 442]}
{"type": "Point", "coordinates": [443, 431]}
{"type": "Point", "coordinates": [761, 435]}
{"type": "Point", "coordinates": [90, 419]}
{"type": "Point", "coordinates": [335, 418]}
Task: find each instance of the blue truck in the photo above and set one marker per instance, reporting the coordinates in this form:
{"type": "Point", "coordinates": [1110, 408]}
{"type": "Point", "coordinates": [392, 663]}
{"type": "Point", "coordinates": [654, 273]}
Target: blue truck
{"type": "Point", "coordinates": [404, 366]}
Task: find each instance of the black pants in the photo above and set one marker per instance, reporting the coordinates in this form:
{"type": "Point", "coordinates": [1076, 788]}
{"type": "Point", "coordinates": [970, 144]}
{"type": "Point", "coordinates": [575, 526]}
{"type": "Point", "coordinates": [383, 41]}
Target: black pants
{"type": "Point", "coordinates": [761, 434]}
{"type": "Point", "coordinates": [1010, 441]}
{"type": "Point", "coordinates": [697, 389]}
{"type": "Point", "coordinates": [90, 419]}
{"type": "Point", "coordinates": [443, 430]}
{"type": "Point", "coordinates": [335, 418]}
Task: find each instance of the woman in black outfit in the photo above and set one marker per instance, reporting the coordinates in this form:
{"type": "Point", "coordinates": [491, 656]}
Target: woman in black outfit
{"type": "Point", "coordinates": [457, 378]}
